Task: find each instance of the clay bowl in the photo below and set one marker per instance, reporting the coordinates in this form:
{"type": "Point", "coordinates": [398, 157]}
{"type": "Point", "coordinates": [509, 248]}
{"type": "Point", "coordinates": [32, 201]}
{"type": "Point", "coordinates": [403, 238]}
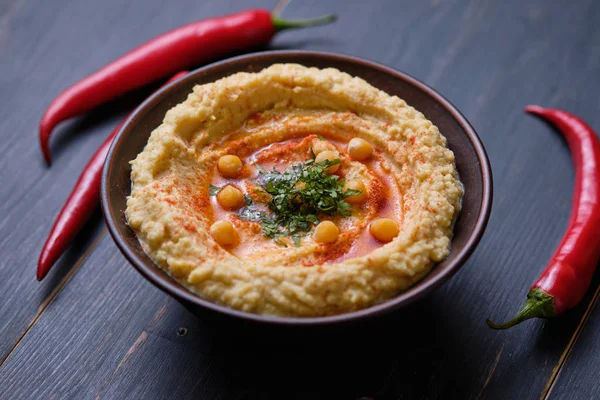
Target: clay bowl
{"type": "Point", "coordinates": [471, 161]}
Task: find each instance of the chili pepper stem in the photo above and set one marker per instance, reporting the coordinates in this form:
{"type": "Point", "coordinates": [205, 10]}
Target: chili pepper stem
{"type": "Point", "coordinates": [282, 24]}
{"type": "Point", "coordinates": [539, 304]}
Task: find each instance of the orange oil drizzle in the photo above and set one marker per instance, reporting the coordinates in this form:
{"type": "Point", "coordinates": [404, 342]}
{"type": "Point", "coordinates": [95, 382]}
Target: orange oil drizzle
{"type": "Point", "coordinates": [281, 156]}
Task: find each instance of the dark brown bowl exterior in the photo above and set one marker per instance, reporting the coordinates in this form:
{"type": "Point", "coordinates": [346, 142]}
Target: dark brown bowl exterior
{"type": "Point", "coordinates": [471, 161]}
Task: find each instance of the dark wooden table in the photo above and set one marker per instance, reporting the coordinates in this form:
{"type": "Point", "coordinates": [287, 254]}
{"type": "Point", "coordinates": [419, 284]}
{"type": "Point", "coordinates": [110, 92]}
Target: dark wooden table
{"type": "Point", "coordinates": [96, 329]}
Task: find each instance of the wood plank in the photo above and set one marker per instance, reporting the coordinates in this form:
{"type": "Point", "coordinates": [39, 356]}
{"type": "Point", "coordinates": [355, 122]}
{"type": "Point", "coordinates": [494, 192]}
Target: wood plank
{"type": "Point", "coordinates": [56, 290]}
{"type": "Point", "coordinates": [110, 334]}
{"type": "Point", "coordinates": [576, 372]}
{"type": "Point", "coordinates": [40, 56]}
{"type": "Point", "coordinates": [32, 70]}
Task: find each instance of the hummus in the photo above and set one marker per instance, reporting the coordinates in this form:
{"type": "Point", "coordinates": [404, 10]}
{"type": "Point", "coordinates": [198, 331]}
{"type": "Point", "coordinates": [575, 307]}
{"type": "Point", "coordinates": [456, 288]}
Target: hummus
{"type": "Point", "coordinates": [281, 119]}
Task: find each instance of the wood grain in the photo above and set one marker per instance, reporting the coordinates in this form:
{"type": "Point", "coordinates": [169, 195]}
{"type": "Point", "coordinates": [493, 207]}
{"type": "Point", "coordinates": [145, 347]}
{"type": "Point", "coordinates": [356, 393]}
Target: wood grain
{"type": "Point", "coordinates": [52, 295]}
{"type": "Point", "coordinates": [578, 373]}
{"type": "Point", "coordinates": [110, 334]}
{"type": "Point", "coordinates": [34, 66]}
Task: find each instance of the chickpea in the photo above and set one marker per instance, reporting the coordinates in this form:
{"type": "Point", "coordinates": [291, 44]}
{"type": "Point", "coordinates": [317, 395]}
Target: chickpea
{"type": "Point", "coordinates": [384, 229]}
{"type": "Point", "coordinates": [230, 166]}
{"type": "Point", "coordinates": [326, 232]}
{"type": "Point", "coordinates": [359, 149]}
{"type": "Point", "coordinates": [319, 146]}
{"type": "Point", "coordinates": [356, 184]}
{"type": "Point", "coordinates": [329, 155]}
{"type": "Point", "coordinates": [230, 197]}
{"type": "Point", "coordinates": [223, 232]}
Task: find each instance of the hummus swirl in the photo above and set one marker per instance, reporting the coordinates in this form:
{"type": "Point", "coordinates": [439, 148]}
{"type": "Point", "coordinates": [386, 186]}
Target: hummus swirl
{"type": "Point", "coordinates": [277, 114]}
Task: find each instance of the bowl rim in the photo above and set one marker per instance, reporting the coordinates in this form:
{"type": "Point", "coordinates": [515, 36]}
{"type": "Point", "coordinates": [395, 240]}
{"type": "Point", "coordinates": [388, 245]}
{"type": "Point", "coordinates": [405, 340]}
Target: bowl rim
{"type": "Point", "coordinates": [181, 293]}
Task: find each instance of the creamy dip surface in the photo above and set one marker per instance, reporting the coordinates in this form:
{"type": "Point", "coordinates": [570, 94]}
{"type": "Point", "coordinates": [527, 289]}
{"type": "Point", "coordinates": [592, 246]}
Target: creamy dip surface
{"type": "Point", "coordinates": [294, 191]}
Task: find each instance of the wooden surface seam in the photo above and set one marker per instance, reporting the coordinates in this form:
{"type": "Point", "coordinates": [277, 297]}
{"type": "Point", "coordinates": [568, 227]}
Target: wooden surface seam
{"type": "Point", "coordinates": [492, 370]}
{"type": "Point", "coordinates": [565, 355]}
{"type": "Point", "coordinates": [55, 292]}
{"type": "Point", "coordinates": [102, 330]}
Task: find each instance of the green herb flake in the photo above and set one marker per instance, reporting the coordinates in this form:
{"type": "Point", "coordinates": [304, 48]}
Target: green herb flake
{"type": "Point", "coordinates": [260, 169]}
{"type": "Point", "coordinates": [280, 242]}
{"type": "Point", "coordinates": [320, 137]}
{"type": "Point", "coordinates": [293, 208]}
{"type": "Point", "coordinates": [296, 239]}
{"type": "Point", "coordinates": [213, 190]}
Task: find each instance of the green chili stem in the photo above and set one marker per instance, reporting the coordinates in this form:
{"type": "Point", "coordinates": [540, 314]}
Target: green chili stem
{"type": "Point", "coordinates": [282, 24]}
{"type": "Point", "coordinates": [539, 304]}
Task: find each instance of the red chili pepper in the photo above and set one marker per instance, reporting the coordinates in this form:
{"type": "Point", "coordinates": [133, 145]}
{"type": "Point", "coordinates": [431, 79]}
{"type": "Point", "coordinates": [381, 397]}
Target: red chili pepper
{"type": "Point", "coordinates": [166, 54]}
{"type": "Point", "coordinates": [80, 204]}
{"type": "Point", "coordinates": [569, 272]}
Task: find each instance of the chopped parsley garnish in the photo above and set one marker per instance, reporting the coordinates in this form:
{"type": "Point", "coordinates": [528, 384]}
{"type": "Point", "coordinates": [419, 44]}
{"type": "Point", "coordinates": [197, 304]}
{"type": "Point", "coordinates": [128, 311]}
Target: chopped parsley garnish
{"type": "Point", "coordinates": [298, 195]}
